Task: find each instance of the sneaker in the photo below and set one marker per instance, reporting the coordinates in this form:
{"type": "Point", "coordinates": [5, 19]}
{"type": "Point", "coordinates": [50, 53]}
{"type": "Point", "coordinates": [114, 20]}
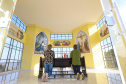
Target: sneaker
{"type": "Point", "coordinates": [43, 77]}
{"type": "Point", "coordinates": [83, 77]}
{"type": "Point", "coordinates": [78, 76]}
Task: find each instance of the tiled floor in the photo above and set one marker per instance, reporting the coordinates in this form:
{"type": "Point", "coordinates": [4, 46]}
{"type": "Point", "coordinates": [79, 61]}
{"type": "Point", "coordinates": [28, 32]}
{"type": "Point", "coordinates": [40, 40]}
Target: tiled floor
{"type": "Point", "coordinates": [94, 77]}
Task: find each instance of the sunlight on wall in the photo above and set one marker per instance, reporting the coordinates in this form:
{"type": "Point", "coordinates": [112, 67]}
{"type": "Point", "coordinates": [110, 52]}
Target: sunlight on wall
{"type": "Point", "coordinates": [97, 55]}
{"type": "Point", "coordinates": [36, 69]}
{"type": "Point", "coordinates": [92, 30]}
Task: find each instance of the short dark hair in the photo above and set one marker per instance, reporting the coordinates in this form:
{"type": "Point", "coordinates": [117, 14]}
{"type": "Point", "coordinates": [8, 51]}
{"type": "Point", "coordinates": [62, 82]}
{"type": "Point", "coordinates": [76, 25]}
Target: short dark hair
{"type": "Point", "coordinates": [49, 46]}
{"type": "Point", "coordinates": [75, 46]}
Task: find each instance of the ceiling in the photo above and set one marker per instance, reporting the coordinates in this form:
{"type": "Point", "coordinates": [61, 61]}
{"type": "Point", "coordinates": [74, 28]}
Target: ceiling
{"type": "Point", "coordinates": [59, 16]}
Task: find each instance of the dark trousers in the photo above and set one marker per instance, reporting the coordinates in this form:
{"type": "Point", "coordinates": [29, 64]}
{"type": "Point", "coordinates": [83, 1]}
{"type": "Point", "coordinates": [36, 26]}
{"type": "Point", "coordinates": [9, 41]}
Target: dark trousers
{"type": "Point", "coordinates": [76, 69]}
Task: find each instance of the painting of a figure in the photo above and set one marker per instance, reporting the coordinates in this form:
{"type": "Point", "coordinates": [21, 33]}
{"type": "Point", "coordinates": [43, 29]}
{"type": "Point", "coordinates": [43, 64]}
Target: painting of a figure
{"type": "Point", "coordinates": [104, 31]}
{"type": "Point", "coordinates": [82, 42]}
{"type": "Point", "coordinates": [62, 43]}
{"type": "Point", "coordinates": [41, 43]}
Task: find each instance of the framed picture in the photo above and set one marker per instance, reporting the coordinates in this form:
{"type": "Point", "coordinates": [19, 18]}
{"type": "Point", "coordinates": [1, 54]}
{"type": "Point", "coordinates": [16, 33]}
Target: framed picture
{"type": "Point", "coordinates": [41, 43]}
{"type": "Point", "coordinates": [104, 31]}
{"type": "Point", "coordinates": [61, 43]}
{"type": "Point", "coordinates": [82, 42]}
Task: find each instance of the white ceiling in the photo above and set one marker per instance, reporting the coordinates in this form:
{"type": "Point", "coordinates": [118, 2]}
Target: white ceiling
{"type": "Point", "coordinates": [59, 16]}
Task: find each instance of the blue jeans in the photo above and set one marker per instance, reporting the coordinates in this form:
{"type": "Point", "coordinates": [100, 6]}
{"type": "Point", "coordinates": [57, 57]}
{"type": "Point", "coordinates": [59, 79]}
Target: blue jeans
{"type": "Point", "coordinates": [48, 68]}
{"type": "Point", "coordinates": [76, 69]}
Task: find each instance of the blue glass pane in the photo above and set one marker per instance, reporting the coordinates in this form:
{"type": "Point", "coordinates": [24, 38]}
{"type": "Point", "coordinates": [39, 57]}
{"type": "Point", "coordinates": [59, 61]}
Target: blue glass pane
{"type": "Point", "coordinates": [22, 45]}
{"type": "Point", "coordinates": [67, 37]}
{"type": "Point", "coordinates": [20, 55]}
{"type": "Point", "coordinates": [70, 37]}
{"type": "Point", "coordinates": [18, 45]}
{"type": "Point", "coordinates": [8, 76]}
{"type": "Point", "coordinates": [13, 21]}
{"type": "Point", "coordinates": [22, 24]}
{"type": "Point", "coordinates": [18, 21]}
{"type": "Point", "coordinates": [13, 54]}
{"type": "Point", "coordinates": [17, 24]}
{"type": "Point", "coordinates": [17, 54]}
{"type": "Point", "coordinates": [13, 76]}
{"type": "Point", "coordinates": [5, 53]}
{"type": "Point", "coordinates": [8, 40]}
{"type": "Point", "coordinates": [14, 17]}
{"type": "Point", "coordinates": [15, 43]}
{"type": "Point", "coordinates": [25, 27]}
{"type": "Point", "coordinates": [21, 27]}
{"type": "Point", "coordinates": [63, 37]}
{"type": "Point", "coordinates": [59, 37]}
{"type": "Point", "coordinates": [10, 66]}
{"type": "Point", "coordinates": [52, 35]}
{"type": "Point", "coordinates": [24, 30]}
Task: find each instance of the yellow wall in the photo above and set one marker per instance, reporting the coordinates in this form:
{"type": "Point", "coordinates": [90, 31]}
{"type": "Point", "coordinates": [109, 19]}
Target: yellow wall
{"type": "Point", "coordinates": [93, 59]}
{"type": "Point", "coordinates": [29, 60]}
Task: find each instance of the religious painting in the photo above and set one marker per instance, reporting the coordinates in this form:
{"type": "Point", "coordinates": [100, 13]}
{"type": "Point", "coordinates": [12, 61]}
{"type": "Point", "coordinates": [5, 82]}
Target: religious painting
{"type": "Point", "coordinates": [16, 33]}
{"type": "Point", "coordinates": [82, 42]}
{"type": "Point", "coordinates": [104, 31]}
{"type": "Point", "coordinates": [41, 43]}
{"type": "Point", "coordinates": [61, 43]}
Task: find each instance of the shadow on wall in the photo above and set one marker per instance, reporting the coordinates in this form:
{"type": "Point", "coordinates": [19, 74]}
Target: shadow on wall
{"type": "Point", "coordinates": [97, 55]}
{"type": "Point", "coordinates": [96, 47]}
{"type": "Point", "coordinates": [92, 30]}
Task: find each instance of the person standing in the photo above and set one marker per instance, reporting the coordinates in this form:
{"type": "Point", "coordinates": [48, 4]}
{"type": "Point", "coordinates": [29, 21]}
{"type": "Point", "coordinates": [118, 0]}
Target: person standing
{"type": "Point", "coordinates": [75, 55]}
{"type": "Point", "coordinates": [49, 60]}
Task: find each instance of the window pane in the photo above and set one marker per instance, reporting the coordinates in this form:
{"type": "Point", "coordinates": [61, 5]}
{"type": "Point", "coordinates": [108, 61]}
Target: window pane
{"type": "Point", "coordinates": [2, 65]}
{"type": "Point", "coordinates": [8, 40]}
{"type": "Point", "coordinates": [22, 45]}
{"type": "Point", "coordinates": [108, 40]}
{"type": "Point", "coordinates": [5, 53]}
{"type": "Point", "coordinates": [67, 37]}
{"type": "Point", "coordinates": [8, 77]}
{"type": "Point", "coordinates": [15, 66]}
{"type": "Point", "coordinates": [15, 43]}
{"type": "Point", "coordinates": [17, 54]}
{"type": "Point", "coordinates": [70, 37]}
{"type": "Point", "coordinates": [13, 76]}
{"type": "Point", "coordinates": [18, 45]}
{"type": "Point", "coordinates": [10, 66]}
{"type": "Point", "coordinates": [18, 21]}
{"type": "Point", "coordinates": [17, 24]}
{"type": "Point", "coordinates": [19, 65]}
{"type": "Point", "coordinates": [13, 21]}
{"type": "Point", "coordinates": [20, 55]}
{"type": "Point", "coordinates": [13, 54]}
{"type": "Point", "coordinates": [22, 25]}
{"type": "Point", "coordinates": [61, 36]}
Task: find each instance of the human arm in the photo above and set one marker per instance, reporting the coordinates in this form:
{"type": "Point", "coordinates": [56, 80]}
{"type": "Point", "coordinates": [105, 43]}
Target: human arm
{"type": "Point", "coordinates": [71, 54]}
